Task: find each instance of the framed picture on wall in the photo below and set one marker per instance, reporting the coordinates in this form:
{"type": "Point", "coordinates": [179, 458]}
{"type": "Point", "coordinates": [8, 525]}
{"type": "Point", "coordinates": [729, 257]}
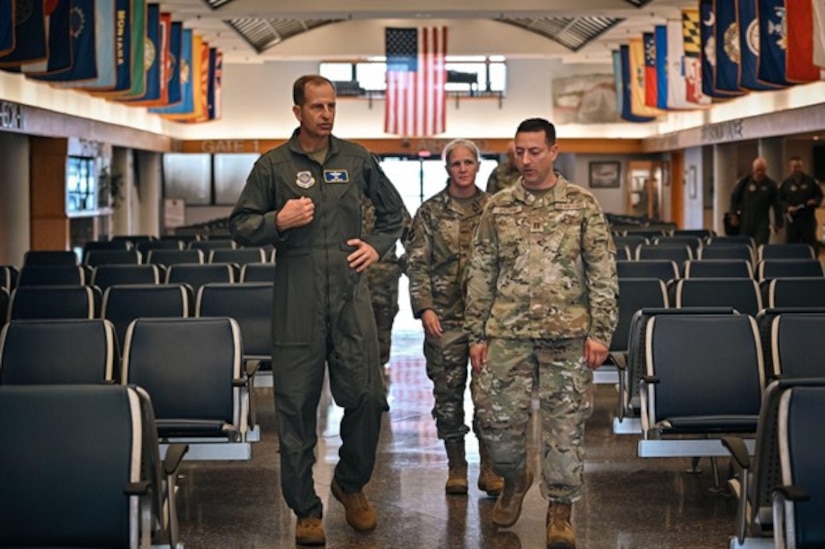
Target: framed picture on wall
{"type": "Point", "coordinates": [605, 175]}
{"type": "Point", "coordinates": [692, 183]}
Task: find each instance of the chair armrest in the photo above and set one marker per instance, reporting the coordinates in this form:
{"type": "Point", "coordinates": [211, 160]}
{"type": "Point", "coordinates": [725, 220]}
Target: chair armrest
{"type": "Point", "coordinates": [239, 382]}
{"type": "Point", "coordinates": [251, 367]}
{"type": "Point", "coordinates": [174, 456]}
{"type": "Point", "coordinates": [738, 451]}
{"type": "Point", "coordinates": [650, 379]}
{"type": "Point", "coordinates": [137, 488]}
{"type": "Point", "coordinates": [619, 359]}
{"type": "Point", "coordinates": [792, 493]}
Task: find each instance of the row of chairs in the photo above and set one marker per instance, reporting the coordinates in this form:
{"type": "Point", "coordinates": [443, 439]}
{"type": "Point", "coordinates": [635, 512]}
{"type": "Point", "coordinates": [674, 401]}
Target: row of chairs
{"type": "Point", "coordinates": [85, 461]}
{"type": "Point", "coordinates": [682, 251]}
{"type": "Point", "coordinates": [108, 275]}
{"type": "Point", "coordinates": [668, 269]}
{"type": "Point", "coordinates": [192, 368]}
{"type": "Point", "coordinates": [163, 256]}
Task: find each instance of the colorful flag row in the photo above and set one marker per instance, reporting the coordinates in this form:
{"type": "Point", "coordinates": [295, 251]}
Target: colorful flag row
{"type": "Point", "coordinates": [723, 49]}
{"type": "Point", "coordinates": [125, 51]}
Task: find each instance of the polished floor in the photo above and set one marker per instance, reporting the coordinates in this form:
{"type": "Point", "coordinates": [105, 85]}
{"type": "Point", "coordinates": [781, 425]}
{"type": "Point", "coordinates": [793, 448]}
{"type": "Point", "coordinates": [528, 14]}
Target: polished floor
{"type": "Point", "coordinates": [628, 502]}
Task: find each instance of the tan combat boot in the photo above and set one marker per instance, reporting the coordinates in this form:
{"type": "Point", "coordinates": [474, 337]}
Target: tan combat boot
{"type": "Point", "coordinates": [457, 479]}
{"type": "Point", "coordinates": [507, 509]}
{"type": "Point", "coordinates": [358, 511]}
{"type": "Point", "coordinates": [559, 530]}
{"type": "Point", "coordinates": [488, 481]}
{"type": "Point", "coordinates": [310, 531]}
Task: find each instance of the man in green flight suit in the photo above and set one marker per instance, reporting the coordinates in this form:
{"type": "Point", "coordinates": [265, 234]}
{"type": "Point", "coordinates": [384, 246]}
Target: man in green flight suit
{"type": "Point", "coordinates": [305, 197]}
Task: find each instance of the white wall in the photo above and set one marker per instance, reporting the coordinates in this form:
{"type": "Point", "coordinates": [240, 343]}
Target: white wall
{"type": "Point", "coordinates": [694, 164]}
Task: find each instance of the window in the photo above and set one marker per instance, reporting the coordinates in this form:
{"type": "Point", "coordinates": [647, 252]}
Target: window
{"type": "Point", "coordinates": [466, 76]}
{"type": "Point", "coordinates": [81, 185]}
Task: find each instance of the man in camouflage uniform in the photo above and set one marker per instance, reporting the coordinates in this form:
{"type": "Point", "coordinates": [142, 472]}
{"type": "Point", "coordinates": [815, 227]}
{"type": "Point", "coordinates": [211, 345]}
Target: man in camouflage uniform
{"type": "Point", "coordinates": [506, 173]}
{"type": "Point", "coordinates": [541, 310]}
{"type": "Point", "coordinates": [438, 253]}
{"type": "Point", "coordinates": [382, 280]}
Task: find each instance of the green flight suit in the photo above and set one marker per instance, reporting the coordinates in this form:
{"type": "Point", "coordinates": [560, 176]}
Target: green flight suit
{"type": "Point", "coordinates": [321, 306]}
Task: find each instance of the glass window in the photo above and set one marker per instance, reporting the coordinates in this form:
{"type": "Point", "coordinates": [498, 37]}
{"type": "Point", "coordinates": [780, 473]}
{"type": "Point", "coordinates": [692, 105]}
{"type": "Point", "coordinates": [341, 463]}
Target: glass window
{"type": "Point", "coordinates": [372, 76]}
{"type": "Point", "coordinates": [188, 176]}
{"type": "Point", "coordinates": [498, 77]}
{"type": "Point", "coordinates": [81, 184]}
{"type": "Point", "coordinates": [337, 72]}
{"type": "Point", "coordinates": [231, 171]}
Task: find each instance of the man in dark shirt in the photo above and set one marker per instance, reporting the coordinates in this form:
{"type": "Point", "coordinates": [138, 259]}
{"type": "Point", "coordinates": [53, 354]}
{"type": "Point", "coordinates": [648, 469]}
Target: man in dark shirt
{"type": "Point", "coordinates": [752, 197]}
{"type": "Point", "coordinates": [800, 196]}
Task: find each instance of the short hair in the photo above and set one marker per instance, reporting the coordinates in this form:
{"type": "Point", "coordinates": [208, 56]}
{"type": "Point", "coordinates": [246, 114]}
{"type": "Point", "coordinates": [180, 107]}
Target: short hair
{"type": "Point", "coordinates": [795, 158]}
{"type": "Point", "coordinates": [299, 95]}
{"type": "Point", "coordinates": [448, 149]}
{"type": "Point", "coordinates": [539, 125]}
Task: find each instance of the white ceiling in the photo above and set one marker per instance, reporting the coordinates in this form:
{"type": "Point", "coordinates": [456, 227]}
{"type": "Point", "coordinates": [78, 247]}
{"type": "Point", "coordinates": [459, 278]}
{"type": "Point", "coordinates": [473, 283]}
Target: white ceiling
{"type": "Point", "coordinates": [347, 39]}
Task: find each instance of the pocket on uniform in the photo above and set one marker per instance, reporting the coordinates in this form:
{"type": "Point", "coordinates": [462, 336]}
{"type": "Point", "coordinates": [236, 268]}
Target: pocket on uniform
{"type": "Point", "coordinates": [295, 300]}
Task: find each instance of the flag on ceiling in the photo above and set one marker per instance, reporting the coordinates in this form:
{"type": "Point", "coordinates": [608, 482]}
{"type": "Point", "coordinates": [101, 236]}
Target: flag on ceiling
{"type": "Point", "coordinates": [636, 53]}
{"type": "Point", "coordinates": [819, 32]}
{"type": "Point", "coordinates": [103, 27]}
{"type": "Point", "coordinates": [749, 46]}
{"type": "Point", "coordinates": [153, 60]}
{"type": "Point", "coordinates": [173, 70]}
{"type": "Point", "coordinates": [772, 42]}
{"type": "Point", "coordinates": [137, 48]}
{"type": "Point", "coordinates": [29, 34]}
{"type": "Point", "coordinates": [123, 48]}
{"type": "Point", "coordinates": [215, 84]}
{"type": "Point", "coordinates": [58, 39]}
{"type": "Point", "coordinates": [186, 106]}
{"type": "Point", "coordinates": [651, 82]}
{"type": "Point", "coordinates": [84, 65]}
{"type": "Point", "coordinates": [617, 77]}
{"type": "Point", "coordinates": [692, 61]}
{"type": "Point", "coordinates": [676, 67]}
{"type": "Point", "coordinates": [627, 112]}
{"type": "Point", "coordinates": [415, 104]}
{"type": "Point", "coordinates": [728, 54]}
{"type": "Point", "coordinates": [799, 57]}
{"type": "Point", "coordinates": [6, 27]}
{"type": "Point", "coordinates": [660, 42]}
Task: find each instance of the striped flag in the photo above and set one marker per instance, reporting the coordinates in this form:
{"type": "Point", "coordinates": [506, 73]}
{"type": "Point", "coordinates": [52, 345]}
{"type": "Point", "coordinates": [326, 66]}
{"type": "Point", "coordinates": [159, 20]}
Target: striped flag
{"type": "Point", "coordinates": [651, 83]}
{"type": "Point", "coordinates": [627, 113]}
{"type": "Point", "coordinates": [415, 104]}
{"type": "Point", "coordinates": [676, 67]}
{"type": "Point", "coordinates": [819, 32]}
{"type": "Point", "coordinates": [799, 57]}
{"type": "Point", "coordinates": [692, 44]}
{"type": "Point", "coordinates": [636, 54]}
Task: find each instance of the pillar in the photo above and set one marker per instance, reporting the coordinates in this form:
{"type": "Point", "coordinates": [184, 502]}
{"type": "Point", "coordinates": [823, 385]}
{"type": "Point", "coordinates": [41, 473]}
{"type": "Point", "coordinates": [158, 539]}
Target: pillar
{"type": "Point", "coordinates": [15, 215]}
{"type": "Point", "coordinates": [724, 180]}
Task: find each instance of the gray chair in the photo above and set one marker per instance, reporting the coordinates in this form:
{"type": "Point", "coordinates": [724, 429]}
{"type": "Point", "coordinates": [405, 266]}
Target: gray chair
{"type": "Point", "coordinates": [796, 292]}
{"type": "Point", "coordinates": [146, 246]}
{"type": "Point", "coordinates": [213, 244]}
{"type": "Point", "coordinates": [789, 268]}
{"type": "Point", "coordinates": [124, 303]}
{"type": "Point", "coordinates": [798, 345]}
{"type": "Point", "coordinates": [799, 502]}
{"type": "Point", "coordinates": [83, 458]}
{"type": "Point", "coordinates": [49, 257]}
{"type": "Point", "coordinates": [169, 257]}
{"type": "Point", "coordinates": [41, 302]}
{"type": "Point", "coordinates": [196, 275]}
{"type": "Point", "coordinates": [51, 275]}
{"type": "Point", "coordinates": [239, 256]}
{"type": "Point", "coordinates": [52, 352]}
{"type": "Point", "coordinates": [727, 251]}
{"type": "Point", "coordinates": [191, 368]}
{"type": "Point", "coordinates": [676, 252]}
{"type": "Point", "coordinates": [258, 272]}
{"type": "Point", "coordinates": [96, 258]}
{"type": "Point", "coordinates": [663, 269]}
{"type": "Point", "coordinates": [718, 268]}
{"type": "Point", "coordinates": [741, 294]}
{"type": "Point", "coordinates": [110, 275]}
{"type": "Point", "coordinates": [786, 251]}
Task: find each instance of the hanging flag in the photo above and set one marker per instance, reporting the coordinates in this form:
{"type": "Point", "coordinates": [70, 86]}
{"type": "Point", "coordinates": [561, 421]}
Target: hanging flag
{"type": "Point", "coordinates": [415, 100]}
{"type": "Point", "coordinates": [29, 34]}
{"type": "Point", "coordinates": [173, 70]}
{"type": "Point", "coordinates": [749, 46]}
{"type": "Point", "coordinates": [58, 39]}
{"type": "Point", "coordinates": [83, 46]}
{"type": "Point", "coordinates": [660, 40]}
{"type": "Point", "coordinates": [728, 54]}
{"type": "Point", "coordinates": [819, 32]}
{"type": "Point", "coordinates": [137, 51]}
{"type": "Point", "coordinates": [123, 50]}
{"type": "Point", "coordinates": [676, 97]}
{"type": "Point", "coordinates": [772, 42]}
{"type": "Point", "coordinates": [104, 25]}
{"type": "Point", "coordinates": [708, 47]}
{"type": "Point", "coordinates": [215, 84]}
{"type": "Point", "coordinates": [617, 76]}
{"type": "Point", "coordinates": [799, 56]}
{"type": "Point", "coordinates": [158, 30]}
{"type": "Point", "coordinates": [627, 112]}
{"type": "Point", "coordinates": [185, 69]}
{"type": "Point", "coordinates": [637, 80]}
{"type": "Point", "coordinates": [651, 91]}
{"type": "Point", "coordinates": [692, 60]}
{"type": "Point", "coordinates": [6, 26]}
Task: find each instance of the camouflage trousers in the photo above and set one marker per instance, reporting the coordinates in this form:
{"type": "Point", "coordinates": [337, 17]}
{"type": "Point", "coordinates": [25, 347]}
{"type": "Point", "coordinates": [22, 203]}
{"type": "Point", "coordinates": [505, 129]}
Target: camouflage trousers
{"type": "Point", "coordinates": [503, 394]}
{"type": "Point", "coordinates": [447, 368]}
{"type": "Point", "coordinates": [382, 279]}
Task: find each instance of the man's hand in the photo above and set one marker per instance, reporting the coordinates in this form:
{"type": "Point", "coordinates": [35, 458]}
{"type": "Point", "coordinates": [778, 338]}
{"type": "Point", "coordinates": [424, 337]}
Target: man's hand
{"type": "Point", "coordinates": [478, 356]}
{"type": "Point", "coordinates": [363, 257]}
{"type": "Point", "coordinates": [296, 212]}
{"type": "Point", "coordinates": [431, 323]}
{"type": "Point", "coordinates": [595, 353]}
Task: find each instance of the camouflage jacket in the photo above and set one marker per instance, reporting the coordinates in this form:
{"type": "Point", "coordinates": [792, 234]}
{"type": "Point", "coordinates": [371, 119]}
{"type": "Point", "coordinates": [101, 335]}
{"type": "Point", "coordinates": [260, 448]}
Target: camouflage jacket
{"type": "Point", "coordinates": [438, 255]}
{"type": "Point", "coordinates": [542, 268]}
{"type": "Point", "coordinates": [503, 177]}
{"type": "Point", "coordinates": [368, 217]}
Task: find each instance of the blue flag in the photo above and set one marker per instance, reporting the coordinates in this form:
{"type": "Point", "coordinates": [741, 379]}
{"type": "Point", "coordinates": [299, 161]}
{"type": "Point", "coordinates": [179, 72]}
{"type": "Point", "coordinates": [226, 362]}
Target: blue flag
{"type": "Point", "coordinates": [772, 42]}
{"type": "Point", "coordinates": [59, 39]}
{"type": "Point", "coordinates": [662, 60]}
{"type": "Point", "coordinates": [175, 44]}
{"type": "Point", "coordinates": [123, 46]}
{"type": "Point", "coordinates": [105, 54]}
{"type": "Point", "coordinates": [84, 66]}
{"type": "Point", "coordinates": [187, 102]}
{"type": "Point", "coordinates": [749, 46]}
{"type": "Point", "coordinates": [627, 113]}
{"type": "Point", "coordinates": [708, 49]}
{"type": "Point", "coordinates": [29, 34]}
{"type": "Point", "coordinates": [6, 26]}
{"type": "Point", "coordinates": [728, 55]}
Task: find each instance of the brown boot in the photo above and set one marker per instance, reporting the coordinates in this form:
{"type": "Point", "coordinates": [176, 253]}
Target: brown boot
{"type": "Point", "coordinates": [310, 531]}
{"type": "Point", "coordinates": [507, 509]}
{"type": "Point", "coordinates": [457, 479]}
{"type": "Point", "coordinates": [359, 512]}
{"type": "Point", "coordinates": [488, 481]}
{"type": "Point", "coordinates": [559, 530]}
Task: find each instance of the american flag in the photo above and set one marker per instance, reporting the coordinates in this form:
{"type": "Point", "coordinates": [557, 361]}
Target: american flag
{"type": "Point", "coordinates": [415, 103]}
